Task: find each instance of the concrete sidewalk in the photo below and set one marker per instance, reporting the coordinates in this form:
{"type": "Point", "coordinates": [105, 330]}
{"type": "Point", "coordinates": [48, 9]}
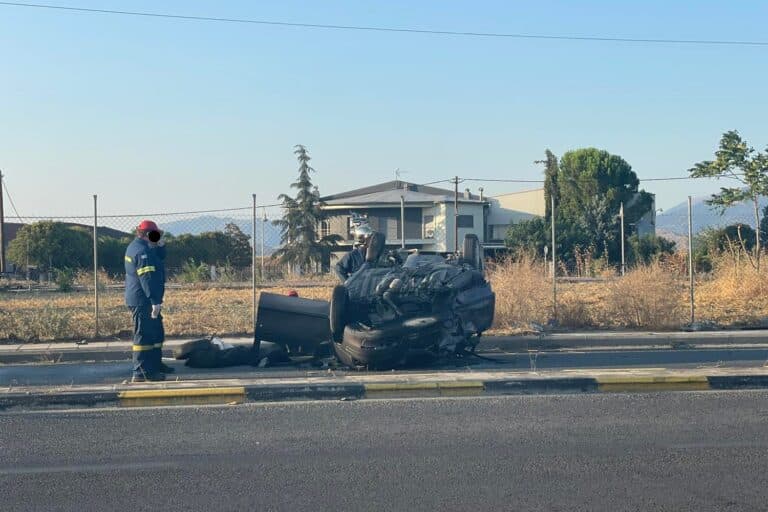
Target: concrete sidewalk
{"type": "Point", "coordinates": [121, 350]}
{"type": "Point", "coordinates": [362, 386]}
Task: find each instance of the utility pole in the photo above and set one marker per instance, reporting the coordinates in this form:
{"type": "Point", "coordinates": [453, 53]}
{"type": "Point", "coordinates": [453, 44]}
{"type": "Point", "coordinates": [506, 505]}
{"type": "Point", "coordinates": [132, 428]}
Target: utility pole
{"type": "Point", "coordinates": [554, 260]}
{"type": "Point", "coordinates": [402, 216]}
{"type": "Point", "coordinates": [2, 228]}
{"type": "Point", "coordinates": [623, 261]}
{"type": "Point", "coordinates": [456, 215]}
{"type": "Point", "coordinates": [690, 258]}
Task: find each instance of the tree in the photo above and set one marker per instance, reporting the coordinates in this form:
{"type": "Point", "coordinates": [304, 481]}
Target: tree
{"type": "Point", "coordinates": [644, 249]}
{"type": "Point", "coordinates": [49, 244]}
{"type": "Point", "coordinates": [589, 187]}
{"type": "Point", "coordinates": [737, 161]}
{"type": "Point", "coordinates": [240, 251]}
{"type": "Point", "coordinates": [301, 247]}
{"type": "Point", "coordinates": [528, 237]}
{"type": "Point", "coordinates": [112, 253]}
{"type": "Point", "coordinates": [551, 170]}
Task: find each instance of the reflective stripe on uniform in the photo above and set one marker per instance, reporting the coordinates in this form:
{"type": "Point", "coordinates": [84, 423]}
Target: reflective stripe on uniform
{"type": "Point", "coordinates": [128, 259]}
{"type": "Point", "coordinates": [158, 345]}
{"type": "Point", "coordinates": [144, 270]}
{"type": "Point", "coordinates": [143, 348]}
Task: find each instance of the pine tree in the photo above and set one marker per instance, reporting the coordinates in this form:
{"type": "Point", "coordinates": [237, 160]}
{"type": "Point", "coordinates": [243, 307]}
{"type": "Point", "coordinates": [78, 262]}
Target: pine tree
{"type": "Point", "coordinates": [301, 248]}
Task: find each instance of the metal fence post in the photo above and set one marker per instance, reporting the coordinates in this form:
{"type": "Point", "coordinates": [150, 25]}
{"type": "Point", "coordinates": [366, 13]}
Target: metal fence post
{"type": "Point", "coordinates": [253, 261]}
{"type": "Point", "coordinates": [263, 234]}
{"type": "Point", "coordinates": [690, 259]}
{"type": "Point", "coordinates": [554, 261]}
{"type": "Point", "coordinates": [96, 266]}
{"type": "Point", "coordinates": [623, 260]}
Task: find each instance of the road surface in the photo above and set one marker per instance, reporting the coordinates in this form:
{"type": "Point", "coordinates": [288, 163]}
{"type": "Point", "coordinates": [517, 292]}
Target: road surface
{"type": "Point", "coordinates": [116, 372]}
{"type": "Point", "coordinates": [666, 451]}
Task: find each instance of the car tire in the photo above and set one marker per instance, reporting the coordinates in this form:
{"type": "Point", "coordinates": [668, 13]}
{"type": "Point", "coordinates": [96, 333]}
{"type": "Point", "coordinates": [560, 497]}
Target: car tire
{"type": "Point", "coordinates": [472, 253]}
{"type": "Point", "coordinates": [338, 312]}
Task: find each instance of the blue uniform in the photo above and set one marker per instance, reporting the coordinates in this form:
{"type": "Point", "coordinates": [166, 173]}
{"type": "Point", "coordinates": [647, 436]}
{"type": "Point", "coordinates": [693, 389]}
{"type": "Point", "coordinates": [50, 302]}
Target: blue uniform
{"type": "Point", "coordinates": [145, 287]}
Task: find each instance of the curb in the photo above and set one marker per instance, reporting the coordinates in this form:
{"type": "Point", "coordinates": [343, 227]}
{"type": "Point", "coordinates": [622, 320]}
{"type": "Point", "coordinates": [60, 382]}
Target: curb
{"type": "Point", "coordinates": [233, 395]}
{"type": "Point", "coordinates": [556, 341]}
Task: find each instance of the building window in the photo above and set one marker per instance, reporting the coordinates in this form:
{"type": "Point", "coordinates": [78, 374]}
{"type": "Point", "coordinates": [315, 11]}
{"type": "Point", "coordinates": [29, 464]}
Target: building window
{"type": "Point", "coordinates": [466, 221]}
{"type": "Point", "coordinates": [325, 228]}
{"type": "Point", "coordinates": [429, 226]}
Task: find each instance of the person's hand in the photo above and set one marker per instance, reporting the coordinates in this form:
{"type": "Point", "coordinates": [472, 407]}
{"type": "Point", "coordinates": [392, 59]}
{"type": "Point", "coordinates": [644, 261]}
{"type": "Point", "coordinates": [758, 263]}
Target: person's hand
{"type": "Point", "coordinates": [156, 310]}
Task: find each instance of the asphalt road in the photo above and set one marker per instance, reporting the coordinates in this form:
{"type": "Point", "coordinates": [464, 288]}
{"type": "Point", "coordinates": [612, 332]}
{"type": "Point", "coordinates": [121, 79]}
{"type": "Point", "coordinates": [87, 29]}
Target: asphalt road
{"type": "Point", "coordinates": [612, 452]}
{"type": "Point", "coordinates": [116, 372]}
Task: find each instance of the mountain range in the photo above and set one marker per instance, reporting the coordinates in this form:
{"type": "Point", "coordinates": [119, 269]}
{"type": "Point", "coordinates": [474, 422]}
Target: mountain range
{"type": "Point", "coordinates": [675, 219]}
{"type": "Point", "coordinates": [205, 223]}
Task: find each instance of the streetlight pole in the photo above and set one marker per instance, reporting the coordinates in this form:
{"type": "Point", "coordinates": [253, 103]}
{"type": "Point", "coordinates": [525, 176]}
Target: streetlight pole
{"type": "Point", "coordinates": [554, 259]}
{"type": "Point", "coordinates": [402, 216]}
{"type": "Point", "coordinates": [456, 215]}
{"type": "Point", "coordinates": [690, 258]}
{"type": "Point", "coordinates": [623, 260]}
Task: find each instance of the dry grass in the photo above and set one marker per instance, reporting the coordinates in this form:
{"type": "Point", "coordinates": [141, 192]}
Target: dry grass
{"type": "Point", "coordinates": [736, 294]}
{"type": "Point", "coordinates": [651, 297]}
{"type": "Point", "coordinates": [190, 312]}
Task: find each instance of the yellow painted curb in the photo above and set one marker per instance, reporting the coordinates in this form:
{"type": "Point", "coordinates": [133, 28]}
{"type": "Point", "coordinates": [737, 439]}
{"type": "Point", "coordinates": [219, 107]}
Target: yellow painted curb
{"type": "Point", "coordinates": [652, 383]}
{"type": "Point", "coordinates": [404, 386]}
{"type": "Point", "coordinates": [408, 389]}
{"type": "Point", "coordinates": [194, 396]}
{"type": "Point", "coordinates": [179, 393]}
{"type": "Point", "coordinates": [651, 379]}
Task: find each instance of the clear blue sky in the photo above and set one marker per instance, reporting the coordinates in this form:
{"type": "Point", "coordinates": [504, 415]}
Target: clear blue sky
{"type": "Point", "coordinates": [156, 114]}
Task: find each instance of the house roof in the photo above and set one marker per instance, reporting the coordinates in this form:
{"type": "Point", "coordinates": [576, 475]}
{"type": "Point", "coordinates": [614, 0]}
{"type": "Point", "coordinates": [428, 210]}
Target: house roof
{"type": "Point", "coordinates": [390, 192]}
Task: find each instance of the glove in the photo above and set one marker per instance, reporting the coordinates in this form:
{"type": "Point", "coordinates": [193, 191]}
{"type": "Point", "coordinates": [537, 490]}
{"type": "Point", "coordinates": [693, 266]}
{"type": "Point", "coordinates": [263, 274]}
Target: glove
{"type": "Point", "coordinates": [156, 310]}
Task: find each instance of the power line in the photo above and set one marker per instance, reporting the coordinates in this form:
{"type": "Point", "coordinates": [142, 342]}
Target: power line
{"type": "Point", "coordinates": [361, 28]}
{"type": "Point", "coordinates": [10, 199]}
{"type": "Point", "coordinates": [495, 180]}
{"type": "Point", "coordinates": [164, 214]}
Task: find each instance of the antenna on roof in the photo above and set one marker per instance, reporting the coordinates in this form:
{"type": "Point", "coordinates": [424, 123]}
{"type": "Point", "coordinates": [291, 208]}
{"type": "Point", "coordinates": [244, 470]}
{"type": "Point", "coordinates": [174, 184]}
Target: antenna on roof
{"type": "Point", "coordinates": [399, 174]}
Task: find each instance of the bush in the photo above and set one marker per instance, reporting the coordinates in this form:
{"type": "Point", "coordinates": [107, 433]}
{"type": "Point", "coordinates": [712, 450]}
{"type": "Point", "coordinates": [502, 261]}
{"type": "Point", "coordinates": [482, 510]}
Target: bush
{"type": "Point", "coordinates": [65, 280]}
{"type": "Point", "coordinates": [193, 272]}
{"type": "Point", "coordinates": [522, 293]}
{"type": "Point", "coordinates": [647, 297]}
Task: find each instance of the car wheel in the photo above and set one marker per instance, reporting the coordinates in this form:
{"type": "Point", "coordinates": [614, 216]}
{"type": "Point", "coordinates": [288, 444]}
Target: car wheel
{"type": "Point", "coordinates": [338, 312]}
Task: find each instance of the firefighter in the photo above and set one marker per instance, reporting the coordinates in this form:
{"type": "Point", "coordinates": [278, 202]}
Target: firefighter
{"type": "Point", "coordinates": [354, 259]}
{"type": "Point", "coordinates": [144, 290]}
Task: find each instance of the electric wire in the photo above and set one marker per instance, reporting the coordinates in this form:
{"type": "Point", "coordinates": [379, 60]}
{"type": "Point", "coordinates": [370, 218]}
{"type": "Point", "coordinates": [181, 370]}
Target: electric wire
{"type": "Point", "coordinates": [10, 199]}
{"type": "Point", "coordinates": [401, 30]}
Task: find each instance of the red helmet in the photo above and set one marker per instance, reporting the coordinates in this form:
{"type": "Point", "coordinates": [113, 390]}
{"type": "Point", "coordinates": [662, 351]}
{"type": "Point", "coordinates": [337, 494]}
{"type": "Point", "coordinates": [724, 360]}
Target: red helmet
{"type": "Point", "coordinates": [147, 226]}
{"type": "Point", "coordinates": [292, 293]}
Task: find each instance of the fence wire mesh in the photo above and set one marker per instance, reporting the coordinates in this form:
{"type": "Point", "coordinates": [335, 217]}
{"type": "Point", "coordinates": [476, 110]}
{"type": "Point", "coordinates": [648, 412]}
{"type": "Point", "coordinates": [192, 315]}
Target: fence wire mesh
{"type": "Point", "coordinates": [204, 246]}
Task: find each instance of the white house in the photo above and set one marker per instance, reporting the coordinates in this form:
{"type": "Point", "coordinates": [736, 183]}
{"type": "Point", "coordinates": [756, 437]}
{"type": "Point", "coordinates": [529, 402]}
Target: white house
{"type": "Point", "coordinates": [425, 216]}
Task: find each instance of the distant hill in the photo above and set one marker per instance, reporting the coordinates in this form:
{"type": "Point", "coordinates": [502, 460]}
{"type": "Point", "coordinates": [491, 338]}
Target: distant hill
{"type": "Point", "coordinates": [197, 225]}
{"type": "Point", "coordinates": [675, 219]}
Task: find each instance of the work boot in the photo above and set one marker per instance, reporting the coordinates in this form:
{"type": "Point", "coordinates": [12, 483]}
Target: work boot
{"type": "Point", "coordinates": [164, 368]}
{"type": "Point", "coordinates": [148, 377]}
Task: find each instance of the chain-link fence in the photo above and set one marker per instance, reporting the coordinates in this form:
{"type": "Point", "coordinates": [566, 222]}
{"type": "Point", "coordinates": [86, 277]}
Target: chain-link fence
{"type": "Point", "coordinates": [217, 246]}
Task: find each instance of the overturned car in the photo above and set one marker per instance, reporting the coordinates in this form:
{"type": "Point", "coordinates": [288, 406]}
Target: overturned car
{"type": "Point", "coordinates": [397, 305]}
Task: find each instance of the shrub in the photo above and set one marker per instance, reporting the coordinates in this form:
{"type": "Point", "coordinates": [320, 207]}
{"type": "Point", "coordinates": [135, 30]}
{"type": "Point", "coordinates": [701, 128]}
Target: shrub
{"type": "Point", "coordinates": [65, 280]}
{"type": "Point", "coordinates": [648, 297]}
{"type": "Point", "coordinates": [193, 272]}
